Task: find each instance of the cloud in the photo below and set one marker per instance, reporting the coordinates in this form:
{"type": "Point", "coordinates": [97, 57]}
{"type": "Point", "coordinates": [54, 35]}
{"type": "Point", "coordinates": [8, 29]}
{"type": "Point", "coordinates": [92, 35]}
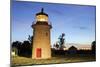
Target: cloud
{"type": "Point", "coordinates": [81, 27]}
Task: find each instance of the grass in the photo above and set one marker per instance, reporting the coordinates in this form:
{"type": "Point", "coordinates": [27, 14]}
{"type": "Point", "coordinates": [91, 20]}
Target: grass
{"type": "Point", "coordinates": [18, 61]}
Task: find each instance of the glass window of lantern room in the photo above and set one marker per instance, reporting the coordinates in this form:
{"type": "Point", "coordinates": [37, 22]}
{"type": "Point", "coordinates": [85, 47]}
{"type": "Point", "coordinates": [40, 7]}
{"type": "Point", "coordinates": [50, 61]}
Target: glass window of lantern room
{"type": "Point", "coordinates": [42, 18]}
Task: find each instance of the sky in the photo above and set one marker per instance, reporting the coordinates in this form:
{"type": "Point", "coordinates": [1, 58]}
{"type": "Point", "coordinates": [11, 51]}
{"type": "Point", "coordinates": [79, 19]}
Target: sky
{"type": "Point", "coordinates": [76, 21]}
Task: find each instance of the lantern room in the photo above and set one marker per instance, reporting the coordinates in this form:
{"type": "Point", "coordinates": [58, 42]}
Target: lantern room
{"type": "Point", "coordinates": [41, 16]}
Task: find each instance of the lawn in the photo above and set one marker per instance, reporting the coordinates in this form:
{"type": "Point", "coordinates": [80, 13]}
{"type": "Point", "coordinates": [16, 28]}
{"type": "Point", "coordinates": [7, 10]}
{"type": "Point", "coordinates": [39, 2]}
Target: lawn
{"type": "Point", "coordinates": [17, 61]}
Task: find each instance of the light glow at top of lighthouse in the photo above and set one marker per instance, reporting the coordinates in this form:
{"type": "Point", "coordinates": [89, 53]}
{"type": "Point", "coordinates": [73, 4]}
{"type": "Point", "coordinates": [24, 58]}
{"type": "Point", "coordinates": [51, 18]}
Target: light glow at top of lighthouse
{"type": "Point", "coordinates": [41, 18]}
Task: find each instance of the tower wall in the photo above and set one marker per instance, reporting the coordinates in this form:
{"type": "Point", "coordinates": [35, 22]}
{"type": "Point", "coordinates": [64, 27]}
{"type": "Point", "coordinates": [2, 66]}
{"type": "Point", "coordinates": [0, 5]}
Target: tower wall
{"type": "Point", "coordinates": [41, 40]}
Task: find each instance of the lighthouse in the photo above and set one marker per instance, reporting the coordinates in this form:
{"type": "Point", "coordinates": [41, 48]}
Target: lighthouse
{"type": "Point", "coordinates": [41, 36]}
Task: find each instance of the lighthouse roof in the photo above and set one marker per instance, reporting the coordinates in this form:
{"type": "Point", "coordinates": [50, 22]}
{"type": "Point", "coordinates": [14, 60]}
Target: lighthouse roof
{"type": "Point", "coordinates": [42, 12]}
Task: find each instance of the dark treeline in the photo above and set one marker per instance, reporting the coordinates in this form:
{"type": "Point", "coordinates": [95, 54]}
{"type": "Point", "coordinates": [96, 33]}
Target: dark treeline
{"type": "Point", "coordinates": [74, 51]}
{"type": "Point", "coordinates": [24, 48]}
{"type": "Point", "coordinates": [59, 48]}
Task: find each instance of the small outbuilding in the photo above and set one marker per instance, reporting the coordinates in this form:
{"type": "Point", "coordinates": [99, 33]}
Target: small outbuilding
{"type": "Point", "coordinates": [14, 51]}
{"type": "Point", "coordinates": [72, 50]}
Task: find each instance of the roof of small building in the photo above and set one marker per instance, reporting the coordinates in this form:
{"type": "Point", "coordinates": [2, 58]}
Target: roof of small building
{"type": "Point", "coordinates": [72, 48]}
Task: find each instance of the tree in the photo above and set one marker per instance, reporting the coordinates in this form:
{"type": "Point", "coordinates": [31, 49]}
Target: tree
{"type": "Point", "coordinates": [56, 46]}
{"type": "Point", "coordinates": [26, 49]}
{"type": "Point", "coordinates": [93, 47]}
{"type": "Point", "coordinates": [61, 40]}
{"type": "Point", "coordinates": [30, 39]}
{"type": "Point", "coordinates": [17, 45]}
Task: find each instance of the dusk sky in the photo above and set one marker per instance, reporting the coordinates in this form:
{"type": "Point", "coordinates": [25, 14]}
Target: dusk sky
{"type": "Point", "coordinates": [76, 21]}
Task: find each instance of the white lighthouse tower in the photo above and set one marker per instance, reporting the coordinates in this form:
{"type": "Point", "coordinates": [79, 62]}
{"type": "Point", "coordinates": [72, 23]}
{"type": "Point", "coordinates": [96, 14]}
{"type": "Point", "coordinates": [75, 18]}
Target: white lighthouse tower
{"type": "Point", "coordinates": [41, 37]}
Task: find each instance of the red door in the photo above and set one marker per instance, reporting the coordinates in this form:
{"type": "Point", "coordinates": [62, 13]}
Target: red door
{"type": "Point", "coordinates": [38, 52]}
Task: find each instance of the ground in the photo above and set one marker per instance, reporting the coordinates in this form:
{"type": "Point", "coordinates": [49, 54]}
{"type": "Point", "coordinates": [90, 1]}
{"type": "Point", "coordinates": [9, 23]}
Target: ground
{"type": "Point", "coordinates": [16, 61]}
